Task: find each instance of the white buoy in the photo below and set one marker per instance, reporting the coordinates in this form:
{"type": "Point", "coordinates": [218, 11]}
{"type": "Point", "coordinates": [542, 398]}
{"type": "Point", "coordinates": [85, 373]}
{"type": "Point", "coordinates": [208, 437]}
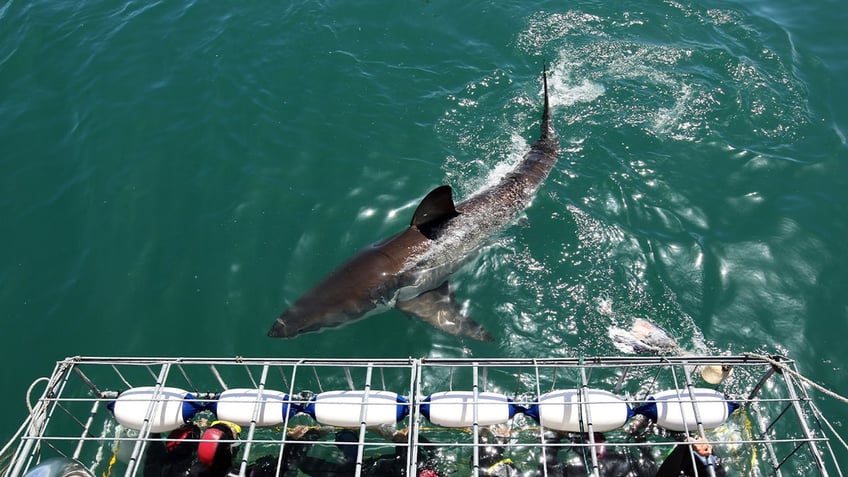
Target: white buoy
{"type": "Point", "coordinates": [456, 408]}
{"type": "Point", "coordinates": [171, 408]}
{"type": "Point", "coordinates": [716, 373]}
{"type": "Point", "coordinates": [352, 408]}
{"type": "Point", "coordinates": [238, 406]}
{"type": "Point", "coordinates": [675, 410]}
{"type": "Point", "coordinates": [568, 410]}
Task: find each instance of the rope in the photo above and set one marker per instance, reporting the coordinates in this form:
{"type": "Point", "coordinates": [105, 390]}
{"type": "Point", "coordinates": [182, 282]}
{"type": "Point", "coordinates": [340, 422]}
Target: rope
{"type": "Point", "coordinates": [810, 382]}
{"type": "Point", "coordinates": [29, 392]}
{"type": "Point", "coordinates": [112, 460]}
{"type": "Point", "coordinates": [14, 438]}
{"type": "Point", "coordinates": [748, 434]}
{"type": "Point", "coordinates": [797, 375]}
{"type": "Point", "coordinates": [829, 426]}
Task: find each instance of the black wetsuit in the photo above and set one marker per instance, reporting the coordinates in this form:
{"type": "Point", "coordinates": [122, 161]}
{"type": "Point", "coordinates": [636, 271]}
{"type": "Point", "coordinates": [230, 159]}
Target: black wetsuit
{"type": "Point", "coordinates": [680, 463]}
{"type": "Point", "coordinates": [162, 462]}
{"type": "Point", "coordinates": [634, 462]}
{"type": "Point", "coordinates": [387, 465]}
{"type": "Point", "coordinates": [263, 467]}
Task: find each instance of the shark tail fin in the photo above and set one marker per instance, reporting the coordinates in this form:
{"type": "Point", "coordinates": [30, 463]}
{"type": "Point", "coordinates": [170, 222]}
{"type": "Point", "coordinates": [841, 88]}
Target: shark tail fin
{"type": "Point", "coordinates": [547, 130]}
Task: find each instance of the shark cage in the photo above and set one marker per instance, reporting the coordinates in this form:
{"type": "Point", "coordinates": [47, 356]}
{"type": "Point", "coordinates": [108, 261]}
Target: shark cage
{"type": "Point", "coordinates": [420, 417]}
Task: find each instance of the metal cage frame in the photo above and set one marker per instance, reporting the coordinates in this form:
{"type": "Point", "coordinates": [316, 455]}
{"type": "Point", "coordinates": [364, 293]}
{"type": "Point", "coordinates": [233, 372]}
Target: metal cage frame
{"type": "Point", "coordinates": [781, 431]}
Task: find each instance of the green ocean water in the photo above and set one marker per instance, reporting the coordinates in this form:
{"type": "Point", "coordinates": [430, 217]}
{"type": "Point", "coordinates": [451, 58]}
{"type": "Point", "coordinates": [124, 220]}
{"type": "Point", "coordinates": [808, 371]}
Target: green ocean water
{"type": "Point", "coordinates": [175, 173]}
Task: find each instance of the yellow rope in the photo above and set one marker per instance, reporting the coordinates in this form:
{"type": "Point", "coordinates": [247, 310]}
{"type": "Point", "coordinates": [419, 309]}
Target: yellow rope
{"type": "Point", "coordinates": [499, 463]}
{"type": "Point", "coordinates": [112, 460]}
{"type": "Point", "coordinates": [748, 435]}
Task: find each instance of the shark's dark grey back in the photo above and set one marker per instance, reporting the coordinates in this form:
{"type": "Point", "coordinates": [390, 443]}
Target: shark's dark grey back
{"type": "Point", "coordinates": [516, 188]}
{"type": "Point", "coordinates": [410, 270]}
{"type": "Point", "coordinates": [542, 156]}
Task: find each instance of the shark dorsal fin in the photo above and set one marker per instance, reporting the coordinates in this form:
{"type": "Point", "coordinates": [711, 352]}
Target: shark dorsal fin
{"type": "Point", "coordinates": [436, 208]}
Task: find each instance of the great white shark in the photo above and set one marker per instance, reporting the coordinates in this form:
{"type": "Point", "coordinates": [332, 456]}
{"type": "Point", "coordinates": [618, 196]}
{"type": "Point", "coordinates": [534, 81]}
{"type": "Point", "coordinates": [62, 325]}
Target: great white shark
{"type": "Point", "coordinates": [410, 270]}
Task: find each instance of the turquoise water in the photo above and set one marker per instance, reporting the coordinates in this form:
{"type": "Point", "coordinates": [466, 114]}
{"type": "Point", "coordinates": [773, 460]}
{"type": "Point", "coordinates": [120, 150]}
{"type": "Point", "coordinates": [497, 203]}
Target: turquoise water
{"type": "Point", "coordinates": [173, 174]}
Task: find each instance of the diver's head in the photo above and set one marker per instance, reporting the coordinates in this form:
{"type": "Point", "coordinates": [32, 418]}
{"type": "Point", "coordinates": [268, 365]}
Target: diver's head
{"type": "Point", "coordinates": [216, 444]}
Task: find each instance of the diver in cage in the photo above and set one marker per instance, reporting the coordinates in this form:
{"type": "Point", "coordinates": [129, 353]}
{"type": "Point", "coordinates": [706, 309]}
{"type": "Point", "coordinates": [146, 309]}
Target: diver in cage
{"type": "Point", "coordinates": [575, 460]}
{"type": "Point", "coordinates": [691, 459]}
{"type": "Point", "coordinates": [218, 446]}
{"type": "Point", "coordinates": [492, 460]}
{"type": "Point", "coordinates": [386, 465]}
{"type": "Point", "coordinates": [174, 456]}
{"type": "Point", "coordinates": [215, 452]}
{"type": "Point", "coordinates": [216, 456]}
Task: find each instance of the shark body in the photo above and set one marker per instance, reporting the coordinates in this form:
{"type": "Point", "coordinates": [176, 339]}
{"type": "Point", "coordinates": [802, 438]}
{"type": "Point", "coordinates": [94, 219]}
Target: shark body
{"type": "Point", "coordinates": [410, 270]}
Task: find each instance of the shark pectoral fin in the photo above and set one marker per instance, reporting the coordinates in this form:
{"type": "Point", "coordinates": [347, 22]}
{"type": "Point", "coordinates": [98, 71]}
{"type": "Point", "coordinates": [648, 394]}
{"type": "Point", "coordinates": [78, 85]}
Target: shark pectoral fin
{"type": "Point", "coordinates": [436, 209]}
{"type": "Point", "coordinates": [438, 308]}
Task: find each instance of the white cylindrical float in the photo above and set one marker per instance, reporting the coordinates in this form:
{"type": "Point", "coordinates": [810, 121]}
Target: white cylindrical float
{"type": "Point", "coordinates": [238, 406]}
{"type": "Point", "coordinates": [171, 408]}
{"type": "Point", "coordinates": [568, 410]}
{"type": "Point", "coordinates": [352, 408]}
{"type": "Point", "coordinates": [675, 410]}
{"type": "Point", "coordinates": [456, 408]}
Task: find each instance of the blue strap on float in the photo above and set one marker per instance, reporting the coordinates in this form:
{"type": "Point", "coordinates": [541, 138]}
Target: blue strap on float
{"type": "Point", "coordinates": [649, 409]}
{"type": "Point", "coordinates": [290, 408]}
{"type": "Point", "coordinates": [213, 406]}
{"type": "Point", "coordinates": [309, 408]}
{"type": "Point", "coordinates": [191, 406]}
{"type": "Point", "coordinates": [732, 407]}
{"type": "Point", "coordinates": [402, 408]}
{"type": "Point", "coordinates": [425, 407]}
{"type": "Point", "coordinates": [533, 411]}
{"type": "Point", "coordinates": [515, 408]}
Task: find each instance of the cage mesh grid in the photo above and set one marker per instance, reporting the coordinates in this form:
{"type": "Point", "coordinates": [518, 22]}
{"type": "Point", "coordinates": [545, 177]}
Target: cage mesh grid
{"type": "Point", "coordinates": [773, 433]}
